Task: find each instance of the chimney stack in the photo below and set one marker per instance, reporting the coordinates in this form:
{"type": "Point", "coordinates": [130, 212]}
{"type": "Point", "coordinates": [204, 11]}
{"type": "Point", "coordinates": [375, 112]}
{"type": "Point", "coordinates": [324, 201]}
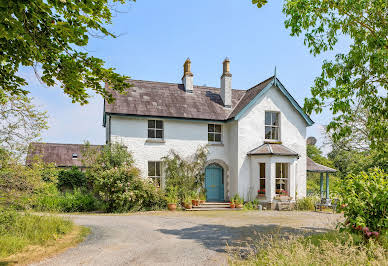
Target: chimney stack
{"type": "Point", "coordinates": [226, 84]}
{"type": "Point", "coordinates": [187, 78]}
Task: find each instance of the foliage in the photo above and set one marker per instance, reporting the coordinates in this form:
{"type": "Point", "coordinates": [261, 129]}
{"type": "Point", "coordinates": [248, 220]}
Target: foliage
{"type": "Point", "coordinates": [19, 230]}
{"type": "Point", "coordinates": [47, 36]}
{"type": "Point", "coordinates": [251, 205]}
{"type": "Point", "coordinates": [365, 199]}
{"type": "Point", "coordinates": [71, 178]}
{"type": "Point", "coordinates": [237, 199]}
{"type": "Point", "coordinates": [20, 123]}
{"type": "Point", "coordinates": [332, 248]}
{"type": "Point", "coordinates": [172, 195]}
{"type": "Point", "coordinates": [315, 154]}
{"type": "Point", "coordinates": [117, 181]}
{"type": "Point", "coordinates": [306, 203]}
{"type": "Point", "coordinates": [186, 174]}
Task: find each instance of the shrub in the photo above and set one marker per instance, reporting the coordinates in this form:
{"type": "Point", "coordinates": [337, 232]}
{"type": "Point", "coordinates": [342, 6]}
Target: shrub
{"type": "Point", "coordinates": [172, 195]}
{"type": "Point", "coordinates": [186, 174]}
{"type": "Point", "coordinates": [251, 205]}
{"type": "Point", "coordinates": [78, 201]}
{"type": "Point", "coordinates": [365, 201]}
{"type": "Point", "coordinates": [71, 179]}
{"type": "Point", "coordinates": [306, 203]}
{"type": "Point", "coordinates": [18, 230]}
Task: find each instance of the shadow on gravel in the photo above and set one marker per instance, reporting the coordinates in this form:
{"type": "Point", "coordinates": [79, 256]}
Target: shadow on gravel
{"type": "Point", "coordinates": [217, 237]}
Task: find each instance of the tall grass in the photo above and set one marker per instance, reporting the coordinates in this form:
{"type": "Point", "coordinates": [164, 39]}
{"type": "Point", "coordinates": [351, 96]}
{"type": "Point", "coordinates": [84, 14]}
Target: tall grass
{"type": "Point", "coordinates": [18, 230]}
{"type": "Point", "coordinates": [331, 248]}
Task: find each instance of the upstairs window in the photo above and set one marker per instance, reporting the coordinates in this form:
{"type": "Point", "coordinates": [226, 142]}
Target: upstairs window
{"type": "Point", "coordinates": [154, 172]}
{"type": "Point", "coordinates": [272, 125]}
{"type": "Point", "coordinates": [155, 129]}
{"type": "Point", "coordinates": [214, 133]}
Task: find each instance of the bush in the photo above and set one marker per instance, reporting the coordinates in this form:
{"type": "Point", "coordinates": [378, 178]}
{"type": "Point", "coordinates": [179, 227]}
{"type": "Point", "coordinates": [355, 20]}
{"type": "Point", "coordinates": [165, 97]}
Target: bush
{"type": "Point", "coordinates": [365, 202]}
{"type": "Point", "coordinates": [71, 179]}
{"type": "Point", "coordinates": [19, 230]}
{"type": "Point", "coordinates": [78, 201]}
{"type": "Point", "coordinates": [306, 203]}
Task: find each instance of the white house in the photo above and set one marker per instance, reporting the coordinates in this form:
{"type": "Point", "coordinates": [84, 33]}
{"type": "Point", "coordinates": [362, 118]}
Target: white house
{"type": "Point", "coordinates": [256, 138]}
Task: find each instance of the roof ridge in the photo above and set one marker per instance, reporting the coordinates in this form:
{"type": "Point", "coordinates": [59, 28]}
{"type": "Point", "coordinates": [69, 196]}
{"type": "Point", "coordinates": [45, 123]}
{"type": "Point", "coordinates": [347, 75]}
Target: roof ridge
{"type": "Point", "coordinates": [260, 83]}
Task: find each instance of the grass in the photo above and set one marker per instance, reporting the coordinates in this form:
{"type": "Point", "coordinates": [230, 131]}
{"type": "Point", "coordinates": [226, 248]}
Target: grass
{"type": "Point", "coordinates": [332, 248]}
{"type": "Point", "coordinates": [27, 237]}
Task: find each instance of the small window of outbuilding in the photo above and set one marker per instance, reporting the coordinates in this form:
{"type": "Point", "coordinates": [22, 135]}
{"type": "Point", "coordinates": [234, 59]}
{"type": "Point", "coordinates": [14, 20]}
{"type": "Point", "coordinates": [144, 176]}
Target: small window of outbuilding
{"type": "Point", "coordinates": [75, 155]}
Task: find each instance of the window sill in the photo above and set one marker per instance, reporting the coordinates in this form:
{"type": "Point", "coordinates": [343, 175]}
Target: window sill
{"type": "Point", "coordinates": [272, 141]}
{"type": "Point", "coordinates": [155, 141]}
{"type": "Point", "coordinates": [215, 144]}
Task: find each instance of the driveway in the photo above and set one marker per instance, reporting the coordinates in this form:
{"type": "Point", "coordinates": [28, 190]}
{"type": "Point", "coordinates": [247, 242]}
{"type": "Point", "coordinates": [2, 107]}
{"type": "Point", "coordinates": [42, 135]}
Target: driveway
{"type": "Point", "coordinates": [180, 238]}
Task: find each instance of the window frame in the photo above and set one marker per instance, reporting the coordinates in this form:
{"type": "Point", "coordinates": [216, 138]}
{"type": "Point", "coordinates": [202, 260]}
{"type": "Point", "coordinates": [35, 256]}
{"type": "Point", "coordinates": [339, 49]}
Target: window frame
{"type": "Point", "coordinates": [284, 168]}
{"type": "Point", "coordinates": [157, 179]}
{"type": "Point", "coordinates": [271, 126]}
{"type": "Point", "coordinates": [261, 191]}
{"type": "Point", "coordinates": [214, 133]}
{"type": "Point", "coordinates": [155, 129]}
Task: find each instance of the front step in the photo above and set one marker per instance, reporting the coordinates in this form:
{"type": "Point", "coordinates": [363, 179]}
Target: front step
{"type": "Point", "coordinates": [212, 206]}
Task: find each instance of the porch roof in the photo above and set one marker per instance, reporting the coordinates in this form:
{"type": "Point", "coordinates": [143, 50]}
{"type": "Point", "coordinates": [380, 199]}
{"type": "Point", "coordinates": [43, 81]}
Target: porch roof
{"type": "Point", "coordinates": [318, 168]}
{"type": "Point", "coordinates": [273, 149]}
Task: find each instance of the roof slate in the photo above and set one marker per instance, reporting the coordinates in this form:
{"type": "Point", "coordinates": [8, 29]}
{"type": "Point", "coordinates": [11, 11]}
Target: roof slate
{"type": "Point", "coordinates": [272, 149]}
{"type": "Point", "coordinates": [60, 154]}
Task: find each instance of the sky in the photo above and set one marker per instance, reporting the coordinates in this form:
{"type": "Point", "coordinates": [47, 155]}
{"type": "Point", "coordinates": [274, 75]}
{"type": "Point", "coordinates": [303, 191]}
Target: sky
{"type": "Point", "coordinates": [155, 38]}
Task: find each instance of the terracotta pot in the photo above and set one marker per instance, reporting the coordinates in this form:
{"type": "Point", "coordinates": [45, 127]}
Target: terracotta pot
{"type": "Point", "coordinates": [196, 202]}
{"type": "Point", "coordinates": [239, 206]}
{"type": "Point", "coordinates": [188, 206]}
{"type": "Point", "coordinates": [201, 202]}
{"type": "Point", "coordinates": [171, 206]}
{"type": "Point", "coordinates": [193, 202]}
{"type": "Point", "coordinates": [232, 205]}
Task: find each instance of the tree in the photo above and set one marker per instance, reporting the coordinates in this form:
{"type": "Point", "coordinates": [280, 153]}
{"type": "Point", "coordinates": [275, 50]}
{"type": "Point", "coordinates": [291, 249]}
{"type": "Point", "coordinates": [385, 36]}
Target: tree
{"type": "Point", "coordinates": [47, 35]}
{"type": "Point", "coordinates": [20, 123]}
{"type": "Point", "coordinates": [358, 76]}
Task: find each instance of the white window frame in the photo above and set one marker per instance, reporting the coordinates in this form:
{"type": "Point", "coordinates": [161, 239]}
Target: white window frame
{"type": "Point", "coordinates": [214, 133]}
{"type": "Point", "coordinates": [262, 178]}
{"type": "Point", "coordinates": [157, 179]}
{"type": "Point", "coordinates": [284, 170]}
{"type": "Point", "coordinates": [277, 127]}
{"type": "Point", "coordinates": [155, 129]}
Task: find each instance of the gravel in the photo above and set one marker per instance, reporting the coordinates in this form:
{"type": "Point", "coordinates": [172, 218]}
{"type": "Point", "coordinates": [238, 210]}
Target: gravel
{"type": "Point", "coordinates": [180, 238]}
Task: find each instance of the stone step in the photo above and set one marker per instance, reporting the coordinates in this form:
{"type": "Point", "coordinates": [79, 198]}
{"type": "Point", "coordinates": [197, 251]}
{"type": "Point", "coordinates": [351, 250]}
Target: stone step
{"type": "Point", "coordinates": [215, 203]}
{"type": "Point", "coordinates": [212, 206]}
{"type": "Point", "coordinates": [212, 209]}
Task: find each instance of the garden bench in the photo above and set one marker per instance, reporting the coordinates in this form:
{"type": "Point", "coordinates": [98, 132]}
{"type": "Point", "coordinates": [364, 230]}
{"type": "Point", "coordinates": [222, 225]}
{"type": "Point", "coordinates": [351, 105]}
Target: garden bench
{"type": "Point", "coordinates": [326, 203]}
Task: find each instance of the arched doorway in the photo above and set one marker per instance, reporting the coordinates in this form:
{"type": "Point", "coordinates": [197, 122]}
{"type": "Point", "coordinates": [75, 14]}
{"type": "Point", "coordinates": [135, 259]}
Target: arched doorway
{"type": "Point", "coordinates": [214, 183]}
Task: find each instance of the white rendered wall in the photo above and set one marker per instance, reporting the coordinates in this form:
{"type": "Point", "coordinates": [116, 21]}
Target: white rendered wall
{"type": "Point", "coordinates": [251, 135]}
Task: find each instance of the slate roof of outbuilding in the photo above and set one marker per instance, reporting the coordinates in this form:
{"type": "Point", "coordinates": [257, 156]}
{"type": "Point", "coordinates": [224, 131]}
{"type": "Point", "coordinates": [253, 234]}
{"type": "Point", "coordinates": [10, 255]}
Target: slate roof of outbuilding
{"type": "Point", "coordinates": [272, 149]}
{"type": "Point", "coordinates": [318, 168]}
{"type": "Point", "coordinates": [161, 99]}
{"type": "Point", "coordinates": [59, 154]}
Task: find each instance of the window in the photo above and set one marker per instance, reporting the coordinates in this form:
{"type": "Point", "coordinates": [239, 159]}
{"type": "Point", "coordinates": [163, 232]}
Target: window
{"type": "Point", "coordinates": [154, 172]}
{"type": "Point", "coordinates": [272, 125]}
{"type": "Point", "coordinates": [261, 191]}
{"type": "Point", "coordinates": [281, 180]}
{"type": "Point", "coordinates": [74, 156]}
{"type": "Point", "coordinates": [155, 129]}
{"type": "Point", "coordinates": [214, 133]}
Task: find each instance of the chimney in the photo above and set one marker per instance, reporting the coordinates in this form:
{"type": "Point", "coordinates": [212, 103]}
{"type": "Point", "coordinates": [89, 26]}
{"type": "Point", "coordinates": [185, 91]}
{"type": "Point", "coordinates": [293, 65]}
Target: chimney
{"type": "Point", "coordinates": [187, 78]}
{"type": "Point", "coordinates": [226, 84]}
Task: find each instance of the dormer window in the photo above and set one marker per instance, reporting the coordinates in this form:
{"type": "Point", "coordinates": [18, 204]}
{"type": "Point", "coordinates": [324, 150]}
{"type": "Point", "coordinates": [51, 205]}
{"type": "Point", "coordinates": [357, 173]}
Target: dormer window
{"type": "Point", "coordinates": [75, 156]}
{"type": "Point", "coordinates": [155, 129]}
{"type": "Point", "coordinates": [272, 125]}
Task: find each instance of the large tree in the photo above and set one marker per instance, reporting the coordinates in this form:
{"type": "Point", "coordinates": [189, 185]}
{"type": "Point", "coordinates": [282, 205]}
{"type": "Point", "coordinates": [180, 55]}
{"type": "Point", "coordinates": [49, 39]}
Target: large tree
{"type": "Point", "coordinates": [356, 77]}
{"type": "Point", "coordinates": [48, 35]}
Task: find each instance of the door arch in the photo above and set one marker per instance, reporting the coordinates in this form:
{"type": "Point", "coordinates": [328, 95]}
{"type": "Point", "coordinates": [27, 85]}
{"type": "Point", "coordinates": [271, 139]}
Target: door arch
{"type": "Point", "coordinates": [214, 182]}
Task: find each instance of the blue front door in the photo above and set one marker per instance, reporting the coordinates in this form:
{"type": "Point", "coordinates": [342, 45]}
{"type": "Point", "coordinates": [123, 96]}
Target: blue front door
{"type": "Point", "coordinates": [214, 183]}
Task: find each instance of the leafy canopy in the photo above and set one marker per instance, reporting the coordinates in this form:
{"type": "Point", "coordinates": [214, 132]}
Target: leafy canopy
{"type": "Point", "coordinates": [358, 76]}
{"type": "Point", "coordinates": [47, 35]}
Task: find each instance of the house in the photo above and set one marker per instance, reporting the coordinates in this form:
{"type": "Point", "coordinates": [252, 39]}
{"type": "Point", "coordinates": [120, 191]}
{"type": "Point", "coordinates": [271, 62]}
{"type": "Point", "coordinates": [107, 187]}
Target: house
{"type": "Point", "coordinates": [62, 155]}
{"type": "Point", "coordinates": [256, 138]}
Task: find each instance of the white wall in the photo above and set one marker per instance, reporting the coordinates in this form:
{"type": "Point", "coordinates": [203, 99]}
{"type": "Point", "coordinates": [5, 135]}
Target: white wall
{"type": "Point", "coordinates": [251, 135]}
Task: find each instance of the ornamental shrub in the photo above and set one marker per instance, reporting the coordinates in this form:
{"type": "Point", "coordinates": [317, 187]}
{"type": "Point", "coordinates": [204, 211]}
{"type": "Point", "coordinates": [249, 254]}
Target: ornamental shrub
{"type": "Point", "coordinates": [365, 201]}
{"type": "Point", "coordinates": [307, 203]}
{"type": "Point", "coordinates": [71, 178]}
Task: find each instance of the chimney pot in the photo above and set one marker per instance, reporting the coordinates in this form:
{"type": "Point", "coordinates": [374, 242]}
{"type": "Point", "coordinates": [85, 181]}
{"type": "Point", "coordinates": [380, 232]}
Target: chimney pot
{"type": "Point", "coordinates": [187, 78]}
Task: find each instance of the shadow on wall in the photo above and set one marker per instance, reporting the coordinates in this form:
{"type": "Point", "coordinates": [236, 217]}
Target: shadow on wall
{"type": "Point", "coordinates": [242, 238]}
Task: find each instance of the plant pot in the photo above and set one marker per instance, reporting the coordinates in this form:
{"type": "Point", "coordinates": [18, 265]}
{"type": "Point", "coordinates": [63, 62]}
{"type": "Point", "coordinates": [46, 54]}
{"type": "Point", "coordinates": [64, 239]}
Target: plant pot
{"type": "Point", "coordinates": [171, 206]}
{"type": "Point", "coordinates": [239, 206]}
{"type": "Point", "coordinates": [232, 205]}
{"type": "Point", "coordinates": [193, 202]}
{"type": "Point", "coordinates": [201, 201]}
{"type": "Point", "coordinates": [188, 206]}
{"type": "Point", "coordinates": [196, 202]}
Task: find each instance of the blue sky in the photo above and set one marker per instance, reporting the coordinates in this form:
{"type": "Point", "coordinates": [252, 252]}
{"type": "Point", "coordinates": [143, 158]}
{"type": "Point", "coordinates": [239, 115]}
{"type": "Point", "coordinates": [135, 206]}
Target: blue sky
{"type": "Point", "coordinates": [155, 38]}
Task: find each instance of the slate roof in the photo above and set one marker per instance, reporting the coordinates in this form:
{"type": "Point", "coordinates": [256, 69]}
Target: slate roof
{"type": "Point", "coordinates": [60, 154]}
{"type": "Point", "coordinates": [161, 99]}
{"type": "Point", "coordinates": [272, 149]}
{"type": "Point", "coordinates": [318, 168]}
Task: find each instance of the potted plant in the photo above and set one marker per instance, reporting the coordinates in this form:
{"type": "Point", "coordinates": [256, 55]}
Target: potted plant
{"type": "Point", "coordinates": [232, 205]}
{"type": "Point", "coordinates": [172, 198]}
{"type": "Point", "coordinates": [187, 203]}
{"type": "Point", "coordinates": [261, 193]}
{"type": "Point", "coordinates": [194, 198]}
{"type": "Point", "coordinates": [202, 198]}
{"type": "Point", "coordinates": [239, 201]}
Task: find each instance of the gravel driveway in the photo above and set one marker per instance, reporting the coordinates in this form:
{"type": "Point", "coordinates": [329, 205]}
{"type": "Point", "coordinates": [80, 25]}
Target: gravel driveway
{"type": "Point", "coordinates": [181, 238]}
